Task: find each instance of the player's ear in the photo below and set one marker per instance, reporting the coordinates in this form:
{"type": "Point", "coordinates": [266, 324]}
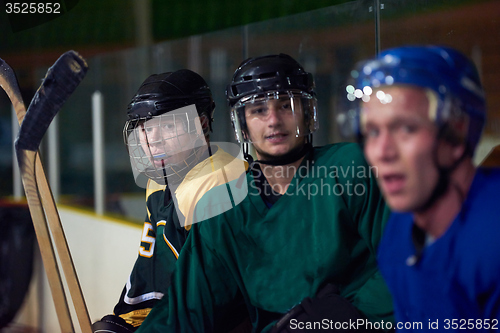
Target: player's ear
{"type": "Point", "coordinates": [454, 140]}
{"type": "Point", "coordinates": [459, 129]}
{"type": "Point", "coordinates": [450, 152]}
{"type": "Point", "coordinates": [458, 151]}
{"type": "Point", "coordinates": [202, 124]}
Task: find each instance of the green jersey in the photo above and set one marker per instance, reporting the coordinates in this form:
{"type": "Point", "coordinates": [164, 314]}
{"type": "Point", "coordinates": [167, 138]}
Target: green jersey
{"type": "Point", "coordinates": [264, 260]}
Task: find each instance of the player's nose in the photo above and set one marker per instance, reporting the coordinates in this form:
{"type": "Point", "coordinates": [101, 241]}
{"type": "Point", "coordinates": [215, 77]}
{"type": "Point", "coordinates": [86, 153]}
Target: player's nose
{"type": "Point", "coordinates": [386, 147]}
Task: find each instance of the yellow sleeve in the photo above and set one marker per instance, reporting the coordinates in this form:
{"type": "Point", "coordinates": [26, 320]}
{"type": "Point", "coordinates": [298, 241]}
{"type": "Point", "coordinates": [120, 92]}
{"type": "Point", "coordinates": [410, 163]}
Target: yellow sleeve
{"type": "Point", "coordinates": [213, 171]}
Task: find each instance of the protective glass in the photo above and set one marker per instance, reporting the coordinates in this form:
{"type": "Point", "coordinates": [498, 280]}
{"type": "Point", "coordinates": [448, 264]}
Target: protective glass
{"type": "Point", "coordinates": [165, 145]}
{"type": "Point", "coordinates": [294, 111]}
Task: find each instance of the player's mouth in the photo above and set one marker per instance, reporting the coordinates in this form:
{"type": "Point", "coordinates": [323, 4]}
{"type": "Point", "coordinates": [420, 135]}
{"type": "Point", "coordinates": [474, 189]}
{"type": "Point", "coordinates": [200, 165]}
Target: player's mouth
{"type": "Point", "coordinates": [277, 137]}
{"type": "Point", "coordinates": [393, 183]}
{"type": "Point", "coordinates": [160, 159]}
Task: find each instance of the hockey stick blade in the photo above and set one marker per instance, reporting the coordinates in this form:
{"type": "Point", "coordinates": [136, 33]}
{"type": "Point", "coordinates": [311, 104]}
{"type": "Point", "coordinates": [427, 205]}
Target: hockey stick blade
{"type": "Point", "coordinates": [59, 83]}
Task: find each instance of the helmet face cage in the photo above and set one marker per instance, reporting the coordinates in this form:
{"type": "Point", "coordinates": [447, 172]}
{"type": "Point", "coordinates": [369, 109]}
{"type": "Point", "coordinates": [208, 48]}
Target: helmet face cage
{"type": "Point", "coordinates": [164, 147]}
{"type": "Point", "coordinates": [297, 107]}
{"type": "Point", "coordinates": [443, 73]}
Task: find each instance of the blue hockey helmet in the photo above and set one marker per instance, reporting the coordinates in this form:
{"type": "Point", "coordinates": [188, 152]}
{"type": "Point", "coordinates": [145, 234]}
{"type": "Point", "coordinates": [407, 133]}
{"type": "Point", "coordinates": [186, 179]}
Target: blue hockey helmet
{"type": "Point", "coordinates": [445, 71]}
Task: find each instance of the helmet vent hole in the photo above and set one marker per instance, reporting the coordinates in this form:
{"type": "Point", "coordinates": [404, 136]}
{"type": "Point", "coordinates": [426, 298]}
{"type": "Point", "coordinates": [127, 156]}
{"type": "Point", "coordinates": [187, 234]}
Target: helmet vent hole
{"type": "Point", "coordinates": [266, 75]}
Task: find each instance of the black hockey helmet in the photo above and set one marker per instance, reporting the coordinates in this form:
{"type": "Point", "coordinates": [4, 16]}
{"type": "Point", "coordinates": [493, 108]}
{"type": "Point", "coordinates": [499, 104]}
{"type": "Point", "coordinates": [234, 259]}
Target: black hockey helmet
{"type": "Point", "coordinates": [260, 80]}
{"type": "Point", "coordinates": [165, 92]}
{"type": "Point", "coordinates": [268, 73]}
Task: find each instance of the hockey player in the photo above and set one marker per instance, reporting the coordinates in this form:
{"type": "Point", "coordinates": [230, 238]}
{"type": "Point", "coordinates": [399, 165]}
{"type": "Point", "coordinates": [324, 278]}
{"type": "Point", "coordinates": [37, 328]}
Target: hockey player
{"type": "Point", "coordinates": [421, 121]}
{"type": "Point", "coordinates": [304, 224]}
{"type": "Point", "coordinates": [167, 137]}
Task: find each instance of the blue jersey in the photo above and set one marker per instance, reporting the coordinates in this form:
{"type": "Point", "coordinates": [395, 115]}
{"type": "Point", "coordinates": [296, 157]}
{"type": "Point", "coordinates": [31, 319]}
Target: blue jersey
{"type": "Point", "coordinates": [453, 283]}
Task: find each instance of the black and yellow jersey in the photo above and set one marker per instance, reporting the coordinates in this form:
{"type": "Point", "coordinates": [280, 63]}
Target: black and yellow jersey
{"type": "Point", "coordinates": [169, 218]}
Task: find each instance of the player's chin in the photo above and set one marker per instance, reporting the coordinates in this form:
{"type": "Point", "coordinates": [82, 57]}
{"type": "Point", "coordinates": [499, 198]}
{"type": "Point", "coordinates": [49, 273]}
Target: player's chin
{"type": "Point", "coordinates": [400, 203]}
{"type": "Point", "coordinates": [280, 151]}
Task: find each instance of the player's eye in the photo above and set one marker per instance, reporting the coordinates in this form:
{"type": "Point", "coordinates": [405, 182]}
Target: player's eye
{"type": "Point", "coordinates": [169, 126]}
{"type": "Point", "coordinates": [286, 106]}
{"type": "Point", "coordinates": [257, 111]}
{"type": "Point", "coordinates": [408, 128]}
{"type": "Point", "coordinates": [371, 132]}
{"type": "Point", "coordinates": [404, 128]}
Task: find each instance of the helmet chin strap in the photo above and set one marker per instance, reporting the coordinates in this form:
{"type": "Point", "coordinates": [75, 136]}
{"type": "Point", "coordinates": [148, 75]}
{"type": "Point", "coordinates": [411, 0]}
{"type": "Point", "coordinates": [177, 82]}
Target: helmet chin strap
{"type": "Point", "coordinates": [443, 174]}
{"type": "Point", "coordinates": [246, 153]}
{"type": "Point", "coordinates": [290, 157]}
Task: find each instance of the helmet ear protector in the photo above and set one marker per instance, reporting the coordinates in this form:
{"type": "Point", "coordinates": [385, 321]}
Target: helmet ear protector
{"type": "Point", "coordinates": [444, 72]}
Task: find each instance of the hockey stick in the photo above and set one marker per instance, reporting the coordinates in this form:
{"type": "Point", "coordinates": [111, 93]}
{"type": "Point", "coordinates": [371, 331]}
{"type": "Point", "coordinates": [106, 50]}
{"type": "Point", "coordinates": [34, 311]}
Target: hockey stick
{"type": "Point", "coordinates": [9, 83]}
{"type": "Point", "coordinates": [60, 82]}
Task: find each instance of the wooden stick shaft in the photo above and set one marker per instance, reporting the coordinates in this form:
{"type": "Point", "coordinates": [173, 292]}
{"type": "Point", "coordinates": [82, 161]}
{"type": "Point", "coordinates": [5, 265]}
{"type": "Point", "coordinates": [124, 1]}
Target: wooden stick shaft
{"type": "Point", "coordinates": [63, 251]}
{"type": "Point", "coordinates": [54, 224]}
{"type": "Point", "coordinates": [40, 225]}
{"type": "Point", "coordinates": [44, 242]}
